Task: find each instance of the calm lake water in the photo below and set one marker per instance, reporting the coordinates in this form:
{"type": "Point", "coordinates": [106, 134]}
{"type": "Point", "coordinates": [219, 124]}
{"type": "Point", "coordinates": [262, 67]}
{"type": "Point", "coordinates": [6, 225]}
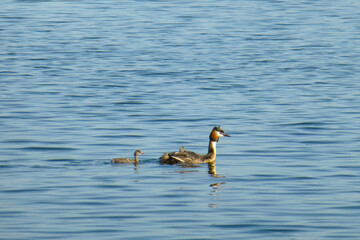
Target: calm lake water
{"type": "Point", "coordinates": [82, 82]}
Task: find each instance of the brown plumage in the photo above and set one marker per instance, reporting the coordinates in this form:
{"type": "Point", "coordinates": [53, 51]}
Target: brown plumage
{"type": "Point", "coordinates": [128, 160]}
{"type": "Point", "coordinates": [188, 157]}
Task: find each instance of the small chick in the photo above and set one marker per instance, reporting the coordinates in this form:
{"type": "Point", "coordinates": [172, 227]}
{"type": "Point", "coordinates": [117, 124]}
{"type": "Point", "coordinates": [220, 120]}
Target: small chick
{"type": "Point", "coordinates": [182, 149]}
{"type": "Point", "coordinates": [128, 160]}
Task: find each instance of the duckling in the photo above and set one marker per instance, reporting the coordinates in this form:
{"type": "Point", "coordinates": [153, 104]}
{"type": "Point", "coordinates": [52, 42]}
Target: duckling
{"type": "Point", "coordinates": [128, 160]}
{"type": "Point", "coordinates": [188, 157]}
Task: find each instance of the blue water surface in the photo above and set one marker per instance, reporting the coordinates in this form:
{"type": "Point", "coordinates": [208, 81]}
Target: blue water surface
{"type": "Point", "coordinates": [82, 82]}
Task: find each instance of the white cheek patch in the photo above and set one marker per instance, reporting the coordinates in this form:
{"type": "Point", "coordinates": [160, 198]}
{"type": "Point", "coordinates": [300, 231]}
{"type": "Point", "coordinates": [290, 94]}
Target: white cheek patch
{"type": "Point", "coordinates": [219, 134]}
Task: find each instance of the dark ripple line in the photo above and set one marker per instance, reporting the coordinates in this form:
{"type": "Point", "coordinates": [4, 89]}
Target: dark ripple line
{"type": "Point", "coordinates": [320, 142]}
{"type": "Point", "coordinates": [101, 217]}
{"type": "Point", "coordinates": [304, 124]}
{"type": "Point", "coordinates": [177, 120]}
{"type": "Point", "coordinates": [352, 207]}
{"type": "Point", "coordinates": [8, 166]}
{"type": "Point", "coordinates": [60, 160]}
{"type": "Point", "coordinates": [244, 225]}
{"type": "Point", "coordinates": [24, 190]}
{"type": "Point", "coordinates": [10, 213]}
{"type": "Point", "coordinates": [263, 228]}
{"type": "Point", "coordinates": [130, 103]}
{"type": "Point", "coordinates": [48, 148]}
{"type": "Point", "coordinates": [269, 177]}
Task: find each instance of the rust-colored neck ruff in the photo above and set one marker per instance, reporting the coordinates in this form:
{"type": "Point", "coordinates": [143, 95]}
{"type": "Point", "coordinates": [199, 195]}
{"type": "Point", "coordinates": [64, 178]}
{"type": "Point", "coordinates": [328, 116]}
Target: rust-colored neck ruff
{"type": "Point", "coordinates": [214, 136]}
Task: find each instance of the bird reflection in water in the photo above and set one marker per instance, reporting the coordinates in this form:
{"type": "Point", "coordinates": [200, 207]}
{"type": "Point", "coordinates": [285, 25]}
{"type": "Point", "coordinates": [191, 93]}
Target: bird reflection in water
{"type": "Point", "coordinates": [214, 194]}
{"type": "Point", "coordinates": [188, 166]}
{"type": "Point", "coordinates": [212, 170]}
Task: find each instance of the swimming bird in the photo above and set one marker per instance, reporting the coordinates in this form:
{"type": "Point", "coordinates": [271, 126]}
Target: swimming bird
{"type": "Point", "coordinates": [128, 160]}
{"type": "Point", "coordinates": [188, 157]}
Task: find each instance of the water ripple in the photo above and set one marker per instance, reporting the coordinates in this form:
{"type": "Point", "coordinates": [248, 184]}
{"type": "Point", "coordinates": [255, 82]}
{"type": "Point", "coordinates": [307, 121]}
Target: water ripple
{"type": "Point", "coordinates": [83, 82]}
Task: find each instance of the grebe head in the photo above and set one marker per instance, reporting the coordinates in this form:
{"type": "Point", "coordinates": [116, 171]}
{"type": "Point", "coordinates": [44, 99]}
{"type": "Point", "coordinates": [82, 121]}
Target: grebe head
{"type": "Point", "coordinates": [216, 133]}
{"type": "Point", "coordinates": [182, 149]}
{"type": "Point", "coordinates": [138, 152]}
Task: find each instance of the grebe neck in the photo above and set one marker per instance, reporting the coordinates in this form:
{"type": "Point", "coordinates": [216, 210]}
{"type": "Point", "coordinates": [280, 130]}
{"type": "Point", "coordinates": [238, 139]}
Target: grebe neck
{"type": "Point", "coordinates": [136, 158]}
{"type": "Point", "coordinates": [212, 148]}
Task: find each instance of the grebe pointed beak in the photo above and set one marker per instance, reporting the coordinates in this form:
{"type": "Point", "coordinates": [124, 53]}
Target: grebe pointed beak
{"type": "Point", "coordinates": [227, 135]}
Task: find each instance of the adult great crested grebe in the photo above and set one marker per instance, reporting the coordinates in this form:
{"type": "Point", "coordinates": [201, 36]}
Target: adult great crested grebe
{"type": "Point", "coordinates": [188, 157]}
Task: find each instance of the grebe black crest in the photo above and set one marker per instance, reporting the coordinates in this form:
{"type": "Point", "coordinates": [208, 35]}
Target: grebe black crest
{"type": "Point", "coordinates": [188, 157]}
{"type": "Point", "coordinates": [128, 160]}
